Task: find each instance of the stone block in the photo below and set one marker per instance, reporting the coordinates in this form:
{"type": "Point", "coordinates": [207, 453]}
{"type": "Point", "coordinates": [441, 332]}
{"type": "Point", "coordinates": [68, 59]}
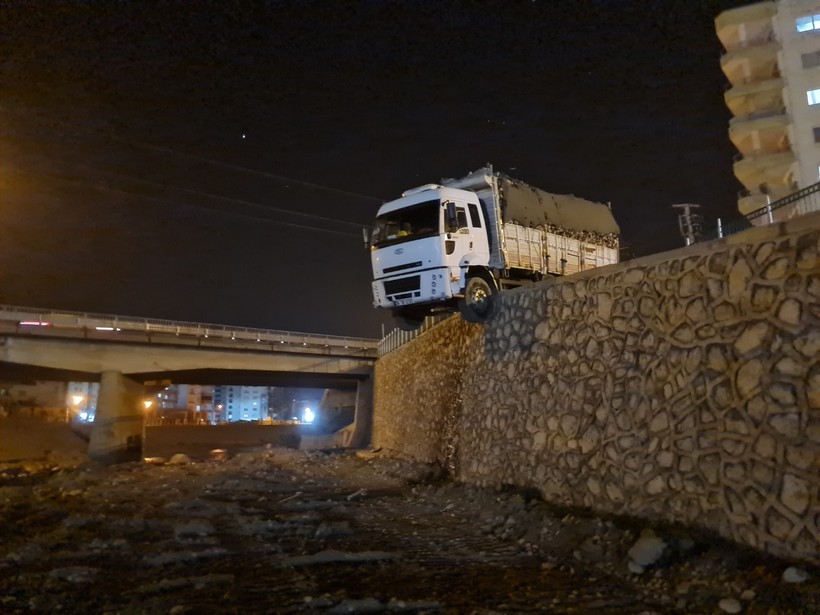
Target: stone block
{"type": "Point", "coordinates": [783, 393]}
{"type": "Point", "coordinates": [715, 289]}
{"type": "Point", "coordinates": [790, 312]}
{"type": "Point", "coordinates": [788, 366]}
{"type": "Point", "coordinates": [604, 303]}
{"type": "Point", "coordinates": [813, 285]}
{"type": "Point", "coordinates": [690, 284]}
{"type": "Point", "coordinates": [787, 424]}
{"type": "Point", "coordinates": [709, 466]}
{"type": "Point", "coordinates": [749, 377]}
{"type": "Point", "coordinates": [764, 296]}
{"type": "Point", "coordinates": [752, 338]}
{"type": "Point", "coordinates": [763, 252]}
{"type": "Point", "coordinates": [656, 485]}
{"type": "Point", "coordinates": [765, 447]}
{"type": "Point", "coordinates": [803, 457]}
{"type": "Point", "coordinates": [778, 525]}
{"type": "Point", "coordinates": [757, 408]}
{"type": "Point", "coordinates": [739, 277]}
{"type": "Point", "coordinates": [718, 263]}
{"type": "Point", "coordinates": [666, 459]}
{"type": "Point", "coordinates": [734, 448]}
{"type": "Point", "coordinates": [776, 270]}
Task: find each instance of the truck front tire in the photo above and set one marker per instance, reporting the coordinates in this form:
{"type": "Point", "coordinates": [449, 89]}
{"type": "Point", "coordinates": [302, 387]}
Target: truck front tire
{"type": "Point", "coordinates": [477, 305]}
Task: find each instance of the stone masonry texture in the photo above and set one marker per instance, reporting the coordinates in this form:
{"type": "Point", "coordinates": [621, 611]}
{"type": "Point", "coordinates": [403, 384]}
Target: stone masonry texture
{"type": "Point", "coordinates": [679, 387]}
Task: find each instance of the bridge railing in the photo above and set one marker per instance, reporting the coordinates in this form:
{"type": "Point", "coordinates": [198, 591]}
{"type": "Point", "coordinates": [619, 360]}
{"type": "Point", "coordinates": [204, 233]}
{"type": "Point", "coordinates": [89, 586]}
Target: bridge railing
{"type": "Point", "coordinates": [38, 317]}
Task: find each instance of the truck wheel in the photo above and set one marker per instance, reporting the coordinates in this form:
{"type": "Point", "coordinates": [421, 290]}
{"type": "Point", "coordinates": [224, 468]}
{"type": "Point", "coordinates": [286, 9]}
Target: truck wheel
{"type": "Point", "coordinates": [477, 305]}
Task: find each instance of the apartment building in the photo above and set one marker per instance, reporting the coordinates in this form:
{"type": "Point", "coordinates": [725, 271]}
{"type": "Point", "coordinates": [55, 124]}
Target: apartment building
{"type": "Point", "coordinates": [772, 62]}
{"type": "Point", "coordinates": [241, 403]}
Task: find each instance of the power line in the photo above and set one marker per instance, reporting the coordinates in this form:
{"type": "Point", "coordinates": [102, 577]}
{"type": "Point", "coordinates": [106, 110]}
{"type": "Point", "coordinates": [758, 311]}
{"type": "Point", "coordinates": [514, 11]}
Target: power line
{"type": "Point", "coordinates": [222, 198]}
{"type": "Point", "coordinates": [168, 150]}
{"type": "Point", "coordinates": [176, 204]}
{"type": "Point", "coordinates": [257, 172]}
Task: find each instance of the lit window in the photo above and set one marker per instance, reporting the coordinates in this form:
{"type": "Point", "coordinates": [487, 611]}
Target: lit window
{"type": "Point", "coordinates": [804, 24]}
{"type": "Point", "coordinates": [813, 97]}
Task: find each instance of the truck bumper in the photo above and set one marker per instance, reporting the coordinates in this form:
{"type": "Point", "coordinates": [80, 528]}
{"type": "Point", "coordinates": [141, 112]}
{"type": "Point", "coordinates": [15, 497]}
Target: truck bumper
{"type": "Point", "coordinates": [422, 287]}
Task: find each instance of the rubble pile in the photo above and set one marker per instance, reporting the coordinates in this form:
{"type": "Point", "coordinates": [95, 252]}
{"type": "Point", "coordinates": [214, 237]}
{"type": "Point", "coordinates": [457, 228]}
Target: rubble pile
{"type": "Point", "coordinates": [337, 532]}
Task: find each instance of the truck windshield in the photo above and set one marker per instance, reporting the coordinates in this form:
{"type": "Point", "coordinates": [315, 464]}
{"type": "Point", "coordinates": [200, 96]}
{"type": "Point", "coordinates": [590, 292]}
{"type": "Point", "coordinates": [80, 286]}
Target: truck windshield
{"type": "Point", "coordinates": [421, 219]}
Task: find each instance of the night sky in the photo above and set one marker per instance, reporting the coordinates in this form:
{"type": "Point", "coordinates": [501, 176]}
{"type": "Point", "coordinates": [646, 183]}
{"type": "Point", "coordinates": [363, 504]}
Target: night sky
{"type": "Point", "coordinates": [214, 162]}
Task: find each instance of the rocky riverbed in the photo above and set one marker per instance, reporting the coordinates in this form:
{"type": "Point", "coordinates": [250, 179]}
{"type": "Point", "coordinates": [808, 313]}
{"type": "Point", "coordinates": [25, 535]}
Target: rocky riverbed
{"type": "Point", "coordinates": [284, 531]}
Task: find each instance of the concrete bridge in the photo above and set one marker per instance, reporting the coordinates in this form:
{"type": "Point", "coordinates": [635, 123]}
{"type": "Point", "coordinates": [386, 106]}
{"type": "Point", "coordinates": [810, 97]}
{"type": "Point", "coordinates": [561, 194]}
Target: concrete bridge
{"type": "Point", "coordinates": [127, 354]}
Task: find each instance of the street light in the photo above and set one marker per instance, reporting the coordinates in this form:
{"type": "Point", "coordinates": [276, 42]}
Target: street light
{"type": "Point", "coordinates": [147, 403]}
{"type": "Point", "coordinates": [77, 400]}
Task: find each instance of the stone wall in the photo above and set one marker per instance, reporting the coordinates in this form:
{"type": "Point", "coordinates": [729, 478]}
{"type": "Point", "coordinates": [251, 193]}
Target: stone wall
{"type": "Point", "coordinates": [683, 386]}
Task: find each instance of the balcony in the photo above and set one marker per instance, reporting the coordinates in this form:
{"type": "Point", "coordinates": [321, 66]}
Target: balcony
{"type": "Point", "coordinates": [750, 64]}
{"type": "Point", "coordinates": [772, 169]}
{"type": "Point", "coordinates": [755, 97]}
{"type": "Point", "coordinates": [760, 133]}
{"type": "Point", "coordinates": [744, 24]}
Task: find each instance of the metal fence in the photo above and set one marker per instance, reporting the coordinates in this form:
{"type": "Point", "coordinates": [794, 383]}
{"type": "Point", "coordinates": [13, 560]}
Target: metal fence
{"type": "Point", "coordinates": [397, 337]}
{"type": "Point", "coordinates": [796, 204]}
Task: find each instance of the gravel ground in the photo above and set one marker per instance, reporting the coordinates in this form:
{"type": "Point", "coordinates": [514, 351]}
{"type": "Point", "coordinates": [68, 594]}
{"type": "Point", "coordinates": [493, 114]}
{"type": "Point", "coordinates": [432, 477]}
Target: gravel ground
{"type": "Point", "coordinates": [283, 531]}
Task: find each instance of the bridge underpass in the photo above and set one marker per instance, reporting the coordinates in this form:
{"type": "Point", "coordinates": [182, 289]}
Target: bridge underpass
{"type": "Point", "coordinates": [132, 358]}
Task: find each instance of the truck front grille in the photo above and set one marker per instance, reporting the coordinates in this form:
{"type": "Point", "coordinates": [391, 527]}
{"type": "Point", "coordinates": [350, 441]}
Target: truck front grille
{"type": "Point", "coordinates": [405, 286]}
{"type": "Point", "coordinates": [401, 267]}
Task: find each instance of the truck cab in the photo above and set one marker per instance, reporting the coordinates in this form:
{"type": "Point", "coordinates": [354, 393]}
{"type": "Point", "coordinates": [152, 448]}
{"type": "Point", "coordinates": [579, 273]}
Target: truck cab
{"type": "Point", "coordinates": [422, 246]}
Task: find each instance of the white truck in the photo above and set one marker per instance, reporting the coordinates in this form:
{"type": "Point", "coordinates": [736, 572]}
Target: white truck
{"type": "Point", "coordinates": [459, 242]}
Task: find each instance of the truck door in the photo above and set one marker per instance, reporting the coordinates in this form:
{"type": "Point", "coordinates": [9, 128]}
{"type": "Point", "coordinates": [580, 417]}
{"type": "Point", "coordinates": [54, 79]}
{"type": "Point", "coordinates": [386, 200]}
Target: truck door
{"type": "Point", "coordinates": [479, 241]}
{"type": "Point", "coordinates": [466, 243]}
{"type": "Point", "coordinates": [458, 242]}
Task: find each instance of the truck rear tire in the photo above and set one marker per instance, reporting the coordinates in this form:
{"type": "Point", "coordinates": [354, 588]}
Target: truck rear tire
{"type": "Point", "coordinates": [477, 305]}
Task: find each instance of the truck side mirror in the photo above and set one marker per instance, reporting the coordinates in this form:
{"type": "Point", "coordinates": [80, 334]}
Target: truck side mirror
{"type": "Point", "coordinates": [450, 217]}
{"type": "Point", "coordinates": [366, 235]}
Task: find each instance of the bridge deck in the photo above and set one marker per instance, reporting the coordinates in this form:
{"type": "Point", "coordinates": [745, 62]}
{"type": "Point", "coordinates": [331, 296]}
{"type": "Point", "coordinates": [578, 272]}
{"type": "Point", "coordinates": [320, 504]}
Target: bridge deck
{"type": "Point", "coordinates": [36, 322]}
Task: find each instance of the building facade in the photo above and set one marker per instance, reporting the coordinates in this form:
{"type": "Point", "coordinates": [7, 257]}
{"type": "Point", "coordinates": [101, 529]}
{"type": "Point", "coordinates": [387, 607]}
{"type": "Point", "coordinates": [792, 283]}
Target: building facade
{"type": "Point", "coordinates": [241, 403]}
{"type": "Point", "coordinates": [185, 403]}
{"type": "Point", "coordinates": [40, 399]}
{"type": "Point", "coordinates": [772, 62]}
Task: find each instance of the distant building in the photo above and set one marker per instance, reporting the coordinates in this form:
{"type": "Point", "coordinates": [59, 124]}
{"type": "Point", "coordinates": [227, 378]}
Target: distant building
{"type": "Point", "coordinates": [41, 399]}
{"type": "Point", "coordinates": [772, 62]}
{"type": "Point", "coordinates": [241, 403]}
{"type": "Point", "coordinates": [185, 403]}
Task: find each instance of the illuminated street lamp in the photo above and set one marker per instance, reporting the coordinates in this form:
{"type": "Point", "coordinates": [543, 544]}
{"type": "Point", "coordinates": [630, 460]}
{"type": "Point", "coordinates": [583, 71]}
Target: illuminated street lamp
{"type": "Point", "coordinates": [308, 415]}
{"type": "Point", "coordinates": [77, 401]}
{"type": "Point", "coordinates": [147, 403]}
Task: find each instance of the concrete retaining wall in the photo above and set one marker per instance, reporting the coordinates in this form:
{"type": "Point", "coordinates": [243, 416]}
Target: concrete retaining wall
{"type": "Point", "coordinates": [683, 386]}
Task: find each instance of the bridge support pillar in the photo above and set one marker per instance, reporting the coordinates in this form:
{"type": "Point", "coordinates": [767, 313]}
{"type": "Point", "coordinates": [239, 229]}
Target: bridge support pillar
{"type": "Point", "coordinates": [119, 425]}
{"type": "Point", "coordinates": [363, 418]}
